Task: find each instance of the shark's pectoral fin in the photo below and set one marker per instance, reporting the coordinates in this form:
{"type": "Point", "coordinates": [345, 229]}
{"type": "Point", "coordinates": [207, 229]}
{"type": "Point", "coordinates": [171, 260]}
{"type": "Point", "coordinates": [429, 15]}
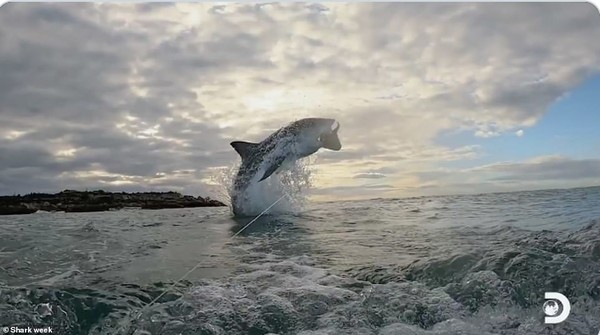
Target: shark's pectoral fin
{"type": "Point", "coordinates": [284, 166]}
{"type": "Point", "coordinates": [276, 164]}
{"type": "Point", "coordinates": [245, 149]}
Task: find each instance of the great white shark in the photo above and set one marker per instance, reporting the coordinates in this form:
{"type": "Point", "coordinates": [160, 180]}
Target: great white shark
{"type": "Point", "coordinates": [298, 139]}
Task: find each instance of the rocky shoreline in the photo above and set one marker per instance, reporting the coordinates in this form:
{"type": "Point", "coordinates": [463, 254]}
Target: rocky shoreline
{"type": "Point", "coordinates": [96, 201]}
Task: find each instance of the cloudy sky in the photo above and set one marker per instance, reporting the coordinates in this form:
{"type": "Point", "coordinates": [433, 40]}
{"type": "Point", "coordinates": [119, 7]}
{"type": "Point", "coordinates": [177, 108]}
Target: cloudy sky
{"type": "Point", "coordinates": [432, 98]}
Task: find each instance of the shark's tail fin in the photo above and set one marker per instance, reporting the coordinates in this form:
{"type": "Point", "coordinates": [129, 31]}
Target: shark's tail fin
{"type": "Point", "coordinates": [245, 149]}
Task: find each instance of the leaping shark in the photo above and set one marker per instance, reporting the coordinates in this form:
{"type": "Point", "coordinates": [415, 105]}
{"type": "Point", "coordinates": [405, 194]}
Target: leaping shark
{"type": "Point", "coordinates": [298, 139]}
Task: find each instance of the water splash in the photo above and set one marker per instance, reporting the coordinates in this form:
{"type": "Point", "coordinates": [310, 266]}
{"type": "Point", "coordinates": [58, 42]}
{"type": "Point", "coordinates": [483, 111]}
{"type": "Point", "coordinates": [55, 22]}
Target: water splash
{"type": "Point", "coordinates": [294, 181]}
{"type": "Point", "coordinates": [222, 179]}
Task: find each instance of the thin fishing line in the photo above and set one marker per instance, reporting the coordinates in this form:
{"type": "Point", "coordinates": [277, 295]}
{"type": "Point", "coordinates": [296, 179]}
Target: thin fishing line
{"type": "Point", "coordinates": [199, 263]}
{"type": "Point", "coordinates": [259, 215]}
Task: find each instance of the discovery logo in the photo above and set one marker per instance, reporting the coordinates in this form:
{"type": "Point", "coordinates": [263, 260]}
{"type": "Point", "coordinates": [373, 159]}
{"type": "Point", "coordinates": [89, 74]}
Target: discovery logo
{"type": "Point", "coordinates": [557, 308]}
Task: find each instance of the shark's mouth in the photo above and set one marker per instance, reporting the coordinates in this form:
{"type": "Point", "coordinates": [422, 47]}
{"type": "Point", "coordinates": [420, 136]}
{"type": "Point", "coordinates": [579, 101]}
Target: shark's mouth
{"type": "Point", "coordinates": [331, 140]}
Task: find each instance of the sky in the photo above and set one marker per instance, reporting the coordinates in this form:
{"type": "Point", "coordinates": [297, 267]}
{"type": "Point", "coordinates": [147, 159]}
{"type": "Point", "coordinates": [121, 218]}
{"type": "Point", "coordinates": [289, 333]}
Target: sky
{"type": "Point", "coordinates": [440, 98]}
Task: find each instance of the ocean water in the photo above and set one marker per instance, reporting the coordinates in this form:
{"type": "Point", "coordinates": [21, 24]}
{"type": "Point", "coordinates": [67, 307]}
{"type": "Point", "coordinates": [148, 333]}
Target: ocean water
{"type": "Point", "coordinates": [476, 264]}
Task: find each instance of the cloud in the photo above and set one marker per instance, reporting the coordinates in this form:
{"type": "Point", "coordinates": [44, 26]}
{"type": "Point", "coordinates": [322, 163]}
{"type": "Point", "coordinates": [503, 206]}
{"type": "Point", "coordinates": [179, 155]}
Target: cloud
{"type": "Point", "coordinates": [520, 133]}
{"type": "Point", "coordinates": [113, 94]}
{"type": "Point", "coordinates": [369, 175]}
{"type": "Point", "coordinates": [536, 173]}
{"type": "Point", "coordinates": [354, 192]}
{"type": "Point", "coordinates": [544, 168]}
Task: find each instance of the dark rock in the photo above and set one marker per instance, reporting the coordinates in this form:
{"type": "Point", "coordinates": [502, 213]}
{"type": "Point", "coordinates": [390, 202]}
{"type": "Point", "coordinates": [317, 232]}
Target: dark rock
{"type": "Point", "coordinates": [161, 205]}
{"type": "Point", "coordinates": [94, 201]}
{"type": "Point", "coordinates": [16, 210]}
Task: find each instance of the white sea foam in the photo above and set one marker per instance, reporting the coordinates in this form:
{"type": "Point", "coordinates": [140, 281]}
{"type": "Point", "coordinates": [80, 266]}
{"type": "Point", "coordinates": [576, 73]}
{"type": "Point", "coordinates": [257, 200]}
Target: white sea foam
{"type": "Point", "coordinates": [293, 297]}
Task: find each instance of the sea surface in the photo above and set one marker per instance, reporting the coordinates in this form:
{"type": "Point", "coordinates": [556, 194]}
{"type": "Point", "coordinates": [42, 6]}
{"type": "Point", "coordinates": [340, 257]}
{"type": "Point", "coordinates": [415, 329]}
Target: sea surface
{"type": "Point", "coordinates": [469, 264]}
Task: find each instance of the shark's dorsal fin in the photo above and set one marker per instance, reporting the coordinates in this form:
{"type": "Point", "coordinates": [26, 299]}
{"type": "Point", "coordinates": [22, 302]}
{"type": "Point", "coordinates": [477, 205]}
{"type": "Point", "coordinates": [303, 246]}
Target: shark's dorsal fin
{"type": "Point", "coordinates": [245, 149]}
